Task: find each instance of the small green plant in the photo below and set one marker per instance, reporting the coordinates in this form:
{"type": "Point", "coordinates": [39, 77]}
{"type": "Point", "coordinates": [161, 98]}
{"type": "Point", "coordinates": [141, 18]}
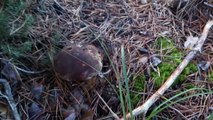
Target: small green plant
{"type": "Point", "coordinates": [172, 57]}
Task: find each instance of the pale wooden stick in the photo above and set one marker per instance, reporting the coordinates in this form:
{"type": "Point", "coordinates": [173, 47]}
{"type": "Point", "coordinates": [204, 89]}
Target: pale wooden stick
{"type": "Point", "coordinates": [143, 108]}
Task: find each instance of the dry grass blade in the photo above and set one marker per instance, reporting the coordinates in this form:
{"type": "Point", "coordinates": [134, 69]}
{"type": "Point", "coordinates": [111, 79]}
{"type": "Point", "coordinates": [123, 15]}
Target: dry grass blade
{"type": "Point", "coordinates": [144, 108]}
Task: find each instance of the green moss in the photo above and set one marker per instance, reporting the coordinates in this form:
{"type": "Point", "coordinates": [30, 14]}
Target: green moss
{"type": "Point", "coordinates": [14, 21]}
{"type": "Point", "coordinates": [14, 26]}
{"type": "Point", "coordinates": [17, 51]}
{"type": "Point", "coordinates": [171, 58]}
{"type": "Point", "coordinates": [138, 86]}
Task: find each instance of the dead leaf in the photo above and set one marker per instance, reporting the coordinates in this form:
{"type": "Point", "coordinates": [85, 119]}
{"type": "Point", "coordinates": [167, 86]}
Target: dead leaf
{"type": "Point", "coordinates": [9, 71]}
{"type": "Point", "coordinates": [34, 110]}
{"type": "Point", "coordinates": [87, 115]}
{"type": "Point", "coordinates": [143, 60]}
{"type": "Point", "coordinates": [37, 90]}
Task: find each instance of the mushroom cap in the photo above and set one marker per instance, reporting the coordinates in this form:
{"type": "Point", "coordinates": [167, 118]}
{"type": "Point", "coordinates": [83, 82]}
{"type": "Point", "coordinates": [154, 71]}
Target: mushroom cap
{"type": "Point", "coordinates": [78, 63]}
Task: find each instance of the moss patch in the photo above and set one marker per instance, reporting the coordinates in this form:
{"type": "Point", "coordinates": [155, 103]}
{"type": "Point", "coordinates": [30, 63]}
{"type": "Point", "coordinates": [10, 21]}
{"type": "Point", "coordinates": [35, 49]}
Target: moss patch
{"type": "Point", "coordinates": [18, 50]}
{"type": "Point", "coordinates": [14, 21]}
{"type": "Point", "coordinates": [171, 58]}
{"type": "Point", "coordinates": [14, 26]}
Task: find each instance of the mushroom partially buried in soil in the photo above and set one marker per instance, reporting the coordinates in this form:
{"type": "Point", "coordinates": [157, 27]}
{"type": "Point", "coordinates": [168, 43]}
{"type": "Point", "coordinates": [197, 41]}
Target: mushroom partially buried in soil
{"type": "Point", "coordinates": [78, 63]}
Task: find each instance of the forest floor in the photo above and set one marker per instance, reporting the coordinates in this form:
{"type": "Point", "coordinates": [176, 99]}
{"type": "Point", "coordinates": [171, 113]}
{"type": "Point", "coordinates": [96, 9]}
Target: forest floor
{"type": "Point", "coordinates": [153, 37]}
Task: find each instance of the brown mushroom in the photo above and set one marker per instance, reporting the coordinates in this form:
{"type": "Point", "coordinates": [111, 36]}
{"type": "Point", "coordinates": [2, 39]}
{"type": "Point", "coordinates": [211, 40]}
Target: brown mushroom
{"type": "Point", "coordinates": [78, 63]}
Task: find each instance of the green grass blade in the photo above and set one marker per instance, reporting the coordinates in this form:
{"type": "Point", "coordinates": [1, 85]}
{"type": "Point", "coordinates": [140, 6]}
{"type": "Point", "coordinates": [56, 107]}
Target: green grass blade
{"type": "Point", "coordinates": [122, 99]}
{"type": "Point", "coordinates": [126, 81]}
{"type": "Point", "coordinates": [167, 104]}
{"type": "Point", "coordinates": [118, 78]}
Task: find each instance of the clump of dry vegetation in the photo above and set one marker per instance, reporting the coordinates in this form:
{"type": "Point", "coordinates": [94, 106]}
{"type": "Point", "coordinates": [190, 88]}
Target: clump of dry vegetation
{"type": "Point", "coordinates": [32, 33]}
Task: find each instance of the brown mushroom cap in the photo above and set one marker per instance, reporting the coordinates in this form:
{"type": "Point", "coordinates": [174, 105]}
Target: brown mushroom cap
{"type": "Point", "coordinates": [78, 63]}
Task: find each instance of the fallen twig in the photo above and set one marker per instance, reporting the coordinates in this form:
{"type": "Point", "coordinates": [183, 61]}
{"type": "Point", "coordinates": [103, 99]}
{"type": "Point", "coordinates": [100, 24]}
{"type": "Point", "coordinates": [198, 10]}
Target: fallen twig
{"type": "Point", "coordinates": [9, 98]}
{"type": "Point", "coordinates": [143, 108]}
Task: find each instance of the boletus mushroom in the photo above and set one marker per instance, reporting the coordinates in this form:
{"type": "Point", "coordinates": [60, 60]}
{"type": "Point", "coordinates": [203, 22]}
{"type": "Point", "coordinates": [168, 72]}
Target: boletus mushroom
{"type": "Point", "coordinates": [78, 63]}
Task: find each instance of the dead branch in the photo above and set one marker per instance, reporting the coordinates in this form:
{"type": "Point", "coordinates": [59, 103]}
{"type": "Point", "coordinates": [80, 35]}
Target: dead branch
{"type": "Point", "coordinates": [143, 108]}
{"type": "Point", "coordinates": [9, 98]}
